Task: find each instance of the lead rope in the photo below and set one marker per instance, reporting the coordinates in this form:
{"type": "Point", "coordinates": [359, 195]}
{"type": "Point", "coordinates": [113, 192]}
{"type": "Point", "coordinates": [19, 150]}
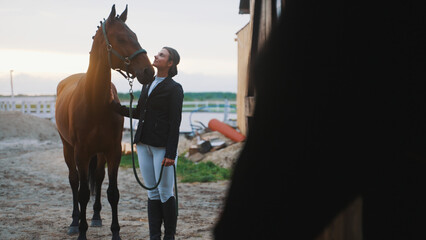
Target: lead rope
{"type": "Point", "coordinates": [133, 154]}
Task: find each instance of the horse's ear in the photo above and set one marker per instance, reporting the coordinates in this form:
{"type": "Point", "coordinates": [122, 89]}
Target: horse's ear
{"type": "Point", "coordinates": [123, 16]}
{"type": "Point", "coordinates": [112, 14]}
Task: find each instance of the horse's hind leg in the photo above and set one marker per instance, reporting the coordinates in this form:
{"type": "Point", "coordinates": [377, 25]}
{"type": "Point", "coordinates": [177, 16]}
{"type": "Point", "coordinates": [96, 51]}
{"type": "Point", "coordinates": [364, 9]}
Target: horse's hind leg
{"type": "Point", "coordinates": [113, 159]}
{"type": "Point", "coordinates": [83, 159]}
{"type": "Point", "coordinates": [99, 175]}
{"type": "Point", "coordinates": [73, 179]}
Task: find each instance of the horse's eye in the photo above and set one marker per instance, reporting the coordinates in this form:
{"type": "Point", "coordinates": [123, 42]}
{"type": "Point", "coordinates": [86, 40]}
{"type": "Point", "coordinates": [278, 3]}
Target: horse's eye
{"type": "Point", "coordinates": [121, 40]}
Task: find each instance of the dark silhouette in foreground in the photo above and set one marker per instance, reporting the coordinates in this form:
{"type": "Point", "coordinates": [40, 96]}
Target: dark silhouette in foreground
{"type": "Point", "coordinates": [340, 114]}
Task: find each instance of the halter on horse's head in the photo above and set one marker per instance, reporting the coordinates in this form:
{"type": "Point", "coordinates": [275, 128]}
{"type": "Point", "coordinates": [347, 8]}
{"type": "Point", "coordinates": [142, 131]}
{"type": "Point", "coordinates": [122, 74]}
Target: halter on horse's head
{"type": "Point", "coordinates": [127, 54]}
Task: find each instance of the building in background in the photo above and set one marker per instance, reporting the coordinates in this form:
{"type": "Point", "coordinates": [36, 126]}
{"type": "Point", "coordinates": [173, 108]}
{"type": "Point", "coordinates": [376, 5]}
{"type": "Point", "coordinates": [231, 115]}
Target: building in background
{"type": "Point", "coordinates": [263, 16]}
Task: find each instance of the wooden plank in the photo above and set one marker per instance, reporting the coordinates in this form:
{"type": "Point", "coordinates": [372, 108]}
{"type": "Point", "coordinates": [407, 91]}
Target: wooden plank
{"type": "Point", "coordinates": [346, 225]}
{"type": "Point", "coordinates": [244, 42]}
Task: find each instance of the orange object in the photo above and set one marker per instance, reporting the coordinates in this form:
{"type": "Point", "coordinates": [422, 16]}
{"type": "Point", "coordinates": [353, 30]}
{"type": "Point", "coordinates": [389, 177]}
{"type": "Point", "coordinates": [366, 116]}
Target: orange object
{"type": "Point", "coordinates": [225, 129]}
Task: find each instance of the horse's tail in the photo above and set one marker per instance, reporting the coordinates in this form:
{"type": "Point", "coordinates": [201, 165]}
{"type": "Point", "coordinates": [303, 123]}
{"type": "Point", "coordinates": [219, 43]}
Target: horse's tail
{"type": "Point", "coordinates": [92, 174]}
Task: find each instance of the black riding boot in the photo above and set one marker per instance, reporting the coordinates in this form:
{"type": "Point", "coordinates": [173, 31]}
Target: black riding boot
{"type": "Point", "coordinates": [170, 218]}
{"type": "Point", "coordinates": [155, 218]}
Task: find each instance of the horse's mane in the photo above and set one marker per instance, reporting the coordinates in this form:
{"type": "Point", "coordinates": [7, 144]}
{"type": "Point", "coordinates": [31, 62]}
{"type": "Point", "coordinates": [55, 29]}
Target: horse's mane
{"type": "Point", "coordinates": [116, 18]}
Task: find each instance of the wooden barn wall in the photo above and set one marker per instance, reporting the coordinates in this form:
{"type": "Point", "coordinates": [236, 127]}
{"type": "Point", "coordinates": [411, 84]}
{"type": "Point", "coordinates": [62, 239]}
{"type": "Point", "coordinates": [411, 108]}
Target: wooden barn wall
{"type": "Point", "coordinates": [244, 43]}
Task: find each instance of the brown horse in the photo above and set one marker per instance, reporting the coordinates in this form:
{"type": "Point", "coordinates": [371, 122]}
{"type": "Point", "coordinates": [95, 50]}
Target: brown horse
{"type": "Point", "coordinates": [91, 133]}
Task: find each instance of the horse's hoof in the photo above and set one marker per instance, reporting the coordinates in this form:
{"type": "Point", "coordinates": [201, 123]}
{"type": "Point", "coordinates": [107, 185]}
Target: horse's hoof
{"type": "Point", "coordinates": [82, 237]}
{"type": "Point", "coordinates": [96, 223]}
{"type": "Point", "coordinates": [116, 236]}
{"type": "Point", "coordinates": [72, 230]}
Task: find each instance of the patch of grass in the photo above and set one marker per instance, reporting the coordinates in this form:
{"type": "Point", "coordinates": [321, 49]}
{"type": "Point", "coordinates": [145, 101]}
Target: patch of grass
{"type": "Point", "coordinates": [189, 171]}
{"type": "Point", "coordinates": [126, 161]}
{"type": "Point", "coordinates": [200, 172]}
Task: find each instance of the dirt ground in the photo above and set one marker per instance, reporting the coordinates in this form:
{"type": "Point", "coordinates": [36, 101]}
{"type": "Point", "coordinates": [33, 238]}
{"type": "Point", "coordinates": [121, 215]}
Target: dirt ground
{"type": "Point", "coordinates": [36, 199]}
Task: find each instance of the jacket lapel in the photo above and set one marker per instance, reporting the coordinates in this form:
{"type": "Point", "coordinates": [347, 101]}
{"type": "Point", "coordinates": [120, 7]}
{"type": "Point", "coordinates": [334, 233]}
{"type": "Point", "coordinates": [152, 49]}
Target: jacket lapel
{"type": "Point", "coordinates": [144, 93]}
{"type": "Point", "coordinates": [158, 87]}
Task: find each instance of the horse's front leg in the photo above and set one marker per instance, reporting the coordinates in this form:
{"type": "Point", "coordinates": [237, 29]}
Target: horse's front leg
{"type": "Point", "coordinates": [73, 178]}
{"type": "Point", "coordinates": [99, 173]}
{"type": "Point", "coordinates": [82, 161]}
{"type": "Point", "coordinates": [113, 160]}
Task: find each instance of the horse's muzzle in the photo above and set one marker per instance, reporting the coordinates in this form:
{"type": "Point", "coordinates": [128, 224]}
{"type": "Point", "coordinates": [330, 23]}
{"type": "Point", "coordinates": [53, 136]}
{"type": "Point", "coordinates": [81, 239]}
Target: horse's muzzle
{"type": "Point", "coordinates": [145, 76]}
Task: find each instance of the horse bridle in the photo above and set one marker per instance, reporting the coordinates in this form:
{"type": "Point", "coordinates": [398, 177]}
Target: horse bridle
{"type": "Point", "coordinates": [126, 60]}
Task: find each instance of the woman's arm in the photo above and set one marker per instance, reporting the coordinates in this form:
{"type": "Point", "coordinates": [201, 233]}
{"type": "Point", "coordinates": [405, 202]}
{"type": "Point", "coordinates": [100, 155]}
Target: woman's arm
{"type": "Point", "coordinates": [123, 110]}
{"type": "Point", "coordinates": [175, 115]}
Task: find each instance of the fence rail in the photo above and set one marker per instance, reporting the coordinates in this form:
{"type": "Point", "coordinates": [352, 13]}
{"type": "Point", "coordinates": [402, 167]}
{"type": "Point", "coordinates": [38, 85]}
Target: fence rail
{"type": "Point", "coordinates": [44, 107]}
{"type": "Point", "coordinates": [208, 106]}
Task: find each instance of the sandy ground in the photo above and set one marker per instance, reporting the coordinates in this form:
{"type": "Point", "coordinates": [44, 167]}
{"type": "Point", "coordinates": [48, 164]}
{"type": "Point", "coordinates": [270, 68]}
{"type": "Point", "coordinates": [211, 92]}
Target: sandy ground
{"type": "Point", "coordinates": [36, 199]}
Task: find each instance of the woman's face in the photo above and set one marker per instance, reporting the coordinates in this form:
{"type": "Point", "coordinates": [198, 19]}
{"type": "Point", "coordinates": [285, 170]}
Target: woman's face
{"type": "Point", "coordinates": [161, 60]}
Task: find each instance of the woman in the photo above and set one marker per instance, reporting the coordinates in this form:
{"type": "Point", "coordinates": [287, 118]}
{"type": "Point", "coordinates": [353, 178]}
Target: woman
{"type": "Point", "coordinates": [159, 112]}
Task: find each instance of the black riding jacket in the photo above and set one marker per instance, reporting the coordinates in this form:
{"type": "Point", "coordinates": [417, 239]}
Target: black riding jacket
{"type": "Point", "coordinates": [159, 115]}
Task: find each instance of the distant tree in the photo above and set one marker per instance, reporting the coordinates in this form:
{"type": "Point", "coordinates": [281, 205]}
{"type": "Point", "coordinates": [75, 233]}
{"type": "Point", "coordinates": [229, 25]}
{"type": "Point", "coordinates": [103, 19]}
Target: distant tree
{"type": "Point", "coordinates": [190, 96]}
{"type": "Point", "coordinates": [203, 96]}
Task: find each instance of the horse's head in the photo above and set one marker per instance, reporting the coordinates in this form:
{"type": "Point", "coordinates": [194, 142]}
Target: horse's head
{"type": "Point", "coordinates": [123, 49]}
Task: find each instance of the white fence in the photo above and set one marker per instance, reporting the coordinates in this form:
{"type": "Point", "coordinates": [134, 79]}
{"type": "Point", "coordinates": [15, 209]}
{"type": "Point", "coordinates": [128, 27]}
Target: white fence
{"type": "Point", "coordinates": [44, 107]}
{"type": "Point", "coordinates": [210, 106]}
{"type": "Point", "coordinates": [203, 106]}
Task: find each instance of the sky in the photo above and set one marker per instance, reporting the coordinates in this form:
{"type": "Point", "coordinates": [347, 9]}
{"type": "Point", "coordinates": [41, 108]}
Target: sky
{"type": "Point", "coordinates": [45, 41]}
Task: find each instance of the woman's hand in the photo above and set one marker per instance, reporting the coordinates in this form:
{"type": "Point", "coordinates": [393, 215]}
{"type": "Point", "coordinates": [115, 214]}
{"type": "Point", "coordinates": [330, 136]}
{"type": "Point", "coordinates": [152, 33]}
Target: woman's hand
{"type": "Point", "coordinates": [168, 162]}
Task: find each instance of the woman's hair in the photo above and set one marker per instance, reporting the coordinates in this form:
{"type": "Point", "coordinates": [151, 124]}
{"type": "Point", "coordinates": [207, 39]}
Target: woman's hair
{"type": "Point", "coordinates": [173, 56]}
